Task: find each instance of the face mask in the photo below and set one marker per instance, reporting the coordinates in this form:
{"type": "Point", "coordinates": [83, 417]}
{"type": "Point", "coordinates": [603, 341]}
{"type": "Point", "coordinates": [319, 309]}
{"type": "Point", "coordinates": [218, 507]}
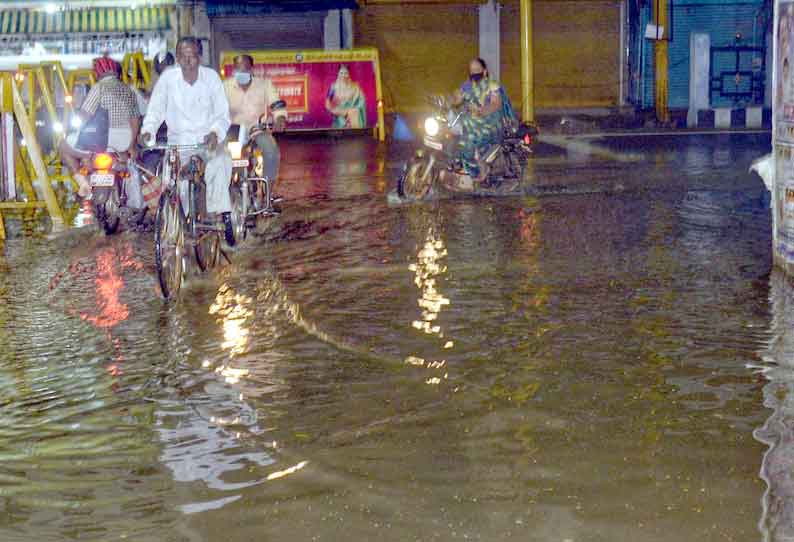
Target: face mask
{"type": "Point", "coordinates": [476, 77]}
{"type": "Point", "coordinates": [242, 77]}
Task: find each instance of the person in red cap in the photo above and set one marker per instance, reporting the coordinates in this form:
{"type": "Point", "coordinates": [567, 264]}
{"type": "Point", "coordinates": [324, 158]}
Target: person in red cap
{"type": "Point", "coordinates": [109, 98]}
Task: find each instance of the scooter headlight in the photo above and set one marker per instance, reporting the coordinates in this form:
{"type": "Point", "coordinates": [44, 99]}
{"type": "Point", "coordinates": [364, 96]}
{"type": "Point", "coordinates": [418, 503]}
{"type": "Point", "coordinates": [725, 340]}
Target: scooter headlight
{"type": "Point", "coordinates": [235, 148]}
{"type": "Point", "coordinates": [431, 126]}
{"type": "Point", "coordinates": [76, 122]}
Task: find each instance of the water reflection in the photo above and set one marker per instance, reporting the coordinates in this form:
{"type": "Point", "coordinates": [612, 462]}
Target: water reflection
{"type": "Point", "coordinates": [777, 467]}
{"type": "Point", "coordinates": [233, 311]}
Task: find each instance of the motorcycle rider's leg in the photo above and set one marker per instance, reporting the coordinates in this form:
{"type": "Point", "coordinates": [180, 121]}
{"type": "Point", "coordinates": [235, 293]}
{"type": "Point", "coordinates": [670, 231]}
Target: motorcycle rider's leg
{"type": "Point", "coordinates": [468, 156]}
{"type": "Point", "coordinates": [270, 155]}
{"type": "Point", "coordinates": [70, 157]}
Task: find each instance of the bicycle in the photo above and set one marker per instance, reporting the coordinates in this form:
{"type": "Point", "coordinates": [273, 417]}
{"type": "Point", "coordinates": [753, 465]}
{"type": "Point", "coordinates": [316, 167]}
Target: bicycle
{"type": "Point", "coordinates": [176, 230]}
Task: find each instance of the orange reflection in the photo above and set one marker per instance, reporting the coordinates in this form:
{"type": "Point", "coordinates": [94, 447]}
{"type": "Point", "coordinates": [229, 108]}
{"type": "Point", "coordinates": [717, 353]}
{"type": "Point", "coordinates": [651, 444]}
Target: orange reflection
{"type": "Point", "coordinates": [109, 284]}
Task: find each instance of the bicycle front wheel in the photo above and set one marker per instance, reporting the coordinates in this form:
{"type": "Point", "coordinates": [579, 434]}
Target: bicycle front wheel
{"type": "Point", "coordinates": [169, 244]}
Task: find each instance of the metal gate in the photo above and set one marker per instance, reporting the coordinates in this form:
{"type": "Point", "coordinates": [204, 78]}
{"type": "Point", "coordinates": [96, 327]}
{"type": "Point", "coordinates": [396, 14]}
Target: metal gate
{"type": "Point", "coordinates": [737, 74]}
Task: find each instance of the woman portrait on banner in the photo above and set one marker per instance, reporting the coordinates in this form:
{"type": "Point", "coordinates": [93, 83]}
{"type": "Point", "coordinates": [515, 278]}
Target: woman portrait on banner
{"type": "Point", "coordinates": [346, 102]}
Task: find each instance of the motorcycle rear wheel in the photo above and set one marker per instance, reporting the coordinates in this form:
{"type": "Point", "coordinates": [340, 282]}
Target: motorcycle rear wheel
{"type": "Point", "coordinates": [107, 212]}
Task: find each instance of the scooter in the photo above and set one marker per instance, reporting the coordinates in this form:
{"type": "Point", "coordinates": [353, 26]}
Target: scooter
{"type": "Point", "coordinates": [435, 170]}
{"type": "Point", "coordinates": [251, 190]}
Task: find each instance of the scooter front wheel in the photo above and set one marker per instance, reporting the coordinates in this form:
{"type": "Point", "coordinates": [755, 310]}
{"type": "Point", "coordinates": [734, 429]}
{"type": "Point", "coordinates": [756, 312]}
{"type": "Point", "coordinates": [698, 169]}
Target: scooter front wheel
{"type": "Point", "coordinates": [240, 207]}
{"type": "Point", "coordinates": [416, 180]}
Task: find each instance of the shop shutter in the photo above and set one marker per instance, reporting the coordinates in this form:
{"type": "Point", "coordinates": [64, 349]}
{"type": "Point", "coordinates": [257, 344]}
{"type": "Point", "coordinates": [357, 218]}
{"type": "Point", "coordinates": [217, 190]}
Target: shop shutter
{"type": "Point", "coordinates": [721, 22]}
{"type": "Point", "coordinates": [424, 49]}
{"type": "Point", "coordinates": [576, 52]}
{"type": "Point", "coordinates": [282, 31]}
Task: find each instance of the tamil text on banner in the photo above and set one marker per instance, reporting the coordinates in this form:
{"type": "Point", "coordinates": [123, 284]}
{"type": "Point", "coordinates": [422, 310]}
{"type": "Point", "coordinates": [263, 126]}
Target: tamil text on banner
{"type": "Point", "coordinates": [323, 90]}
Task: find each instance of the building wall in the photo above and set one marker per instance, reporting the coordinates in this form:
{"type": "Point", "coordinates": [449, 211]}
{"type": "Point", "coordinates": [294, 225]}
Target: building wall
{"type": "Point", "coordinates": [576, 52]}
{"type": "Point", "coordinates": [424, 49]}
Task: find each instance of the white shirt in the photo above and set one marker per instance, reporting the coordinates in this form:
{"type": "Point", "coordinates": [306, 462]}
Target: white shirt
{"type": "Point", "coordinates": [190, 111]}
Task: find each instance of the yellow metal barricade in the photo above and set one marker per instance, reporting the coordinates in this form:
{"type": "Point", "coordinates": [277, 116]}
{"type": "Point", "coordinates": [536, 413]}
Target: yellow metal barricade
{"type": "Point", "coordinates": [19, 169]}
{"type": "Point", "coordinates": [135, 70]}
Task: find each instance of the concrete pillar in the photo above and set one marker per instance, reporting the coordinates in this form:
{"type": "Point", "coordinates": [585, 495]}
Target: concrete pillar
{"type": "Point", "coordinates": [347, 28]}
{"type": "Point", "coordinates": [699, 59]}
{"type": "Point", "coordinates": [332, 31]}
{"type": "Point", "coordinates": [662, 59]}
{"type": "Point", "coordinates": [527, 66]}
{"type": "Point", "coordinates": [769, 64]}
{"type": "Point", "coordinates": [489, 36]}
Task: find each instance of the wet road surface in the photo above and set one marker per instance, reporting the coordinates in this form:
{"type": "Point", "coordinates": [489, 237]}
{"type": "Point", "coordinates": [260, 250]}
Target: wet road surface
{"type": "Point", "coordinates": [597, 367]}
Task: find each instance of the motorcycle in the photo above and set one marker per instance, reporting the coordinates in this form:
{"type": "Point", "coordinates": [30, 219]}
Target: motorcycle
{"type": "Point", "coordinates": [435, 170]}
{"type": "Point", "coordinates": [107, 173]}
{"type": "Point", "coordinates": [251, 190]}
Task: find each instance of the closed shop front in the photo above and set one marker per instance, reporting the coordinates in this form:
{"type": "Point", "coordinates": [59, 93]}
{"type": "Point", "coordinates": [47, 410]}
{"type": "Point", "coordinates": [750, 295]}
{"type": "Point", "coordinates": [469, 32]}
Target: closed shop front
{"type": "Point", "coordinates": [279, 24]}
{"type": "Point", "coordinates": [283, 31]}
{"type": "Point", "coordinates": [576, 52]}
{"type": "Point", "coordinates": [743, 25]}
{"type": "Point", "coordinates": [424, 49]}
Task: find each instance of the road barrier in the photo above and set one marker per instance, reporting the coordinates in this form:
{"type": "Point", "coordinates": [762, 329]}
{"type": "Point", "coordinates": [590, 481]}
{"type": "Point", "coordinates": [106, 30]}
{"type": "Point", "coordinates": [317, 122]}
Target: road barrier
{"type": "Point", "coordinates": [42, 96]}
{"type": "Point", "coordinates": [22, 164]}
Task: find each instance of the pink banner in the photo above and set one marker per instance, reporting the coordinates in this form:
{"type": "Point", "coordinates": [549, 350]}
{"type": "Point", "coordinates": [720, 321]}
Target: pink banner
{"type": "Point", "coordinates": [323, 95]}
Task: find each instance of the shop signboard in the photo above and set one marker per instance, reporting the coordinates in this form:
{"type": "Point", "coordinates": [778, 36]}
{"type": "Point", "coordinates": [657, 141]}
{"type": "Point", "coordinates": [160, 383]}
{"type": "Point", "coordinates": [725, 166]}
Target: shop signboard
{"type": "Point", "coordinates": [323, 90]}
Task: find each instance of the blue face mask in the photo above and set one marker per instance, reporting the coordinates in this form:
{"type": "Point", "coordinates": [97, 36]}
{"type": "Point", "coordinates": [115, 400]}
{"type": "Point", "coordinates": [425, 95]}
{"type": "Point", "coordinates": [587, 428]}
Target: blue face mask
{"type": "Point", "coordinates": [242, 77]}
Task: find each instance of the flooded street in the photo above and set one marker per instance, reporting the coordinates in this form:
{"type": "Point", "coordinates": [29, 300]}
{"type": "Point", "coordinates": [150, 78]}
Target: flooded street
{"type": "Point", "coordinates": [611, 365]}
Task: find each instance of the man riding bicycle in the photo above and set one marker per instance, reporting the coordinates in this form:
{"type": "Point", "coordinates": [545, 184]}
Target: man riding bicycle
{"type": "Point", "coordinates": [193, 104]}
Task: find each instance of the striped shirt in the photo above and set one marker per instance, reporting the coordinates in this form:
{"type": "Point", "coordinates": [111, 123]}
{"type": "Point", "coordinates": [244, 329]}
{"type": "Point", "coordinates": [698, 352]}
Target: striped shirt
{"type": "Point", "coordinates": [112, 94]}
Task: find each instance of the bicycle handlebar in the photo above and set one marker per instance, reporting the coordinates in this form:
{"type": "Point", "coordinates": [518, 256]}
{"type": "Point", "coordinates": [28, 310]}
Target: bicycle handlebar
{"type": "Point", "coordinates": [167, 146]}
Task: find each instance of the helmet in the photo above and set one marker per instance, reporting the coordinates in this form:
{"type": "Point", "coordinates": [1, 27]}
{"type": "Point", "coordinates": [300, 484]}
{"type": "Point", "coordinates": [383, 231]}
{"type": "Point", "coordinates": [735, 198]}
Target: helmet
{"type": "Point", "coordinates": [104, 65]}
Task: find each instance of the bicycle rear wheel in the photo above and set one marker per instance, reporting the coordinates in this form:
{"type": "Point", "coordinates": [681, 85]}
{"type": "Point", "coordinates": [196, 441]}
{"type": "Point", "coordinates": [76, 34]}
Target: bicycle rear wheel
{"type": "Point", "coordinates": [169, 244]}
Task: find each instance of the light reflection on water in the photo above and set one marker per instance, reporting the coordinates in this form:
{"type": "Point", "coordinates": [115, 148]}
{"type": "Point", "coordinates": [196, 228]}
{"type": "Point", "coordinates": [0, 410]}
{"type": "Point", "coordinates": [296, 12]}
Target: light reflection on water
{"type": "Point", "coordinates": [587, 360]}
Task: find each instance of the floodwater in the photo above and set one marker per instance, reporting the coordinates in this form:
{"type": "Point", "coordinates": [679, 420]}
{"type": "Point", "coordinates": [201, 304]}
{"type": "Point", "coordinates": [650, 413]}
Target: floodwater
{"type": "Point", "coordinates": [592, 367]}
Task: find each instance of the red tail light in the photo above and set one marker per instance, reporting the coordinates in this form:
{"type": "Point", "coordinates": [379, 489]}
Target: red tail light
{"type": "Point", "coordinates": [528, 139]}
{"type": "Point", "coordinates": [103, 161]}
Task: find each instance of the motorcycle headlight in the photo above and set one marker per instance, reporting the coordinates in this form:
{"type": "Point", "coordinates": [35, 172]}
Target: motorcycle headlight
{"type": "Point", "coordinates": [57, 128]}
{"type": "Point", "coordinates": [235, 148]}
{"type": "Point", "coordinates": [76, 122]}
{"type": "Point", "coordinates": [431, 126]}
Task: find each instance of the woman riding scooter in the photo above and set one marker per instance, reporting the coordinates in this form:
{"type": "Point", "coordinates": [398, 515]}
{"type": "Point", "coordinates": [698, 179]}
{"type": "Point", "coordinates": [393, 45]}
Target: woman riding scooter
{"type": "Point", "coordinates": [488, 112]}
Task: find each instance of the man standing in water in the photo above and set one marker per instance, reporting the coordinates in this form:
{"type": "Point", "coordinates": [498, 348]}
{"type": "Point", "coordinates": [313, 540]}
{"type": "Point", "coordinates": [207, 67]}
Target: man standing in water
{"type": "Point", "coordinates": [193, 104]}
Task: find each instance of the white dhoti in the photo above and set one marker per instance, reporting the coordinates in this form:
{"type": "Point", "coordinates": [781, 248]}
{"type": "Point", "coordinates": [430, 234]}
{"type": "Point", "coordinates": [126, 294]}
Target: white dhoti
{"type": "Point", "coordinates": [217, 177]}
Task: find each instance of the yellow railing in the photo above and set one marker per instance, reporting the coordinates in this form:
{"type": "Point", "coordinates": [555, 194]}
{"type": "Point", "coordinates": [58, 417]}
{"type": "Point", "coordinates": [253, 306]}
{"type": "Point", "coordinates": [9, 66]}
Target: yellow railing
{"type": "Point", "coordinates": [21, 168]}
